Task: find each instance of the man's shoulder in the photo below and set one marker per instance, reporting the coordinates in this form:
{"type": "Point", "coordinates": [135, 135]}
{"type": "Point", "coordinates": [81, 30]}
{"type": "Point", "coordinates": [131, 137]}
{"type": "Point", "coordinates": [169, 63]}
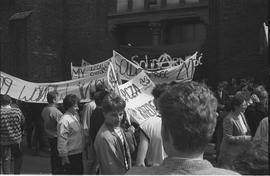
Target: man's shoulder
{"type": "Point", "coordinates": [12, 110]}
{"type": "Point", "coordinates": [104, 134]}
{"type": "Point", "coordinates": [220, 171]}
{"type": "Point", "coordinates": [144, 171]}
{"type": "Point", "coordinates": [160, 170]}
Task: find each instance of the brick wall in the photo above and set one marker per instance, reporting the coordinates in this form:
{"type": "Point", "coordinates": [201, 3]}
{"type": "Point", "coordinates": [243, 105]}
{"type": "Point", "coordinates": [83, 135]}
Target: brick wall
{"type": "Point", "coordinates": [64, 31]}
{"type": "Point", "coordinates": [45, 44]}
{"type": "Point", "coordinates": [86, 31]}
{"type": "Point", "coordinates": [234, 42]}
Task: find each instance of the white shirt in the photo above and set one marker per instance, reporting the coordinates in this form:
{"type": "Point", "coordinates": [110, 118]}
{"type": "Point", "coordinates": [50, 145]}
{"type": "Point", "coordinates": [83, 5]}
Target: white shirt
{"type": "Point", "coordinates": [155, 153]}
{"type": "Point", "coordinates": [69, 135]}
{"type": "Point", "coordinates": [242, 123]}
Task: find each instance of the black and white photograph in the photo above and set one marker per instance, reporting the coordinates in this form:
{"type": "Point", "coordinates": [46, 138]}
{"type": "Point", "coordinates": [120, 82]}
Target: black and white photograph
{"type": "Point", "coordinates": [134, 87]}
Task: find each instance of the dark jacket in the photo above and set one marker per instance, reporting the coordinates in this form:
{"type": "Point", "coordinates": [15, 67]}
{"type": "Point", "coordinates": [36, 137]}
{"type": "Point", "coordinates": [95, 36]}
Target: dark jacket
{"type": "Point", "coordinates": [254, 114]}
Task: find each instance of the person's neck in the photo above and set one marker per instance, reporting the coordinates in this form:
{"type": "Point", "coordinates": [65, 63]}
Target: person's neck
{"type": "Point", "coordinates": [111, 126]}
{"type": "Point", "coordinates": [187, 156]}
{"type": "Point", "coordinates": [53, 104]}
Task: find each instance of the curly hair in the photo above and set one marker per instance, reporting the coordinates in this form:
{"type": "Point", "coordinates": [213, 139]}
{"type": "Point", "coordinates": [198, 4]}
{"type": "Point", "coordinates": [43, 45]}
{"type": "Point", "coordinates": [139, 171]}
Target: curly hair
{"type": "Point", "coordinates": [113, 102]}
{"type": "Point", "coordinates": [188, 112]}
{"type": "Point", "coordinates": [70, 100]}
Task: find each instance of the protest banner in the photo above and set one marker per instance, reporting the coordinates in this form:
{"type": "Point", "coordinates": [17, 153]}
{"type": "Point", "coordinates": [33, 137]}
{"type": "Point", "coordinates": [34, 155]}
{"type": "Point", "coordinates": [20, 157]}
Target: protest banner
{"type": "Point", "coordinates": [125, 68]}
{"type": "Point", "coordinates": [37, 92]}
{"type": "Point", "coordinates": [99, 69]}
{"type": "Point", "coordinates": [164, 61]}
{"type": "Point", "coordinates": [112, 79]}
{"type": "Point", "coordinates": [182, 72]}
{"type": "Point", "coordinates": [138, 97]}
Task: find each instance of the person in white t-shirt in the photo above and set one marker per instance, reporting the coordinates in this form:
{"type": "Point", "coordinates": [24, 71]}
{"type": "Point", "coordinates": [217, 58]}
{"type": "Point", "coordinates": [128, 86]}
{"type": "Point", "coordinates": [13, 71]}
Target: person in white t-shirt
{"type": "Point", "coordinates": [150, 148]}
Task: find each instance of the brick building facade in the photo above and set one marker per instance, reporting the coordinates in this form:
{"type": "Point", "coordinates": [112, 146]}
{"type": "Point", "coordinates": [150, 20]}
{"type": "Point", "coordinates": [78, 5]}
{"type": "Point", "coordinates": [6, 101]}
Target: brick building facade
{"type": "Point", "coordinates": [39, 39]}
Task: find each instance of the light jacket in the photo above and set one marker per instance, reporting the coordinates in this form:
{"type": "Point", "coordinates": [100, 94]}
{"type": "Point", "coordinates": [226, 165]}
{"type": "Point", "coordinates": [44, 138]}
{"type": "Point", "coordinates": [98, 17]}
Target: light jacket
{"type": "Point", "coordinates": [110, 152]}
{"type": "Point", "coordinates": [69, 135]}
{"type": "Point", "coordinates": [234, 141]}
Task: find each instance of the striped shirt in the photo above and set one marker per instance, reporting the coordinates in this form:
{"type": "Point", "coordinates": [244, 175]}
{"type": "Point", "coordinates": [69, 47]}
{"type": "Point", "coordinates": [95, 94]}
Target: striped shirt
{"type": "Point", "coordinates": [119, 133]}
{"type": "Point", "coordinates": [11, 121]}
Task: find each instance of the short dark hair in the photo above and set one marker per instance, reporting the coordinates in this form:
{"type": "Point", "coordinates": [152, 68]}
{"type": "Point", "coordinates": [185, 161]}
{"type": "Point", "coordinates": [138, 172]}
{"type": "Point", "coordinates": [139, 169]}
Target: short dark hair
{"type": "Point", "coordinates": [113, 102]}
{"type": "Point", "coordinates": [70, 100]}
{"type": "Point", "coordinates": [51, 96]}
{"type": "Point", "coordinates": [99, 96]}
{"type": "Point", "coordinates": [5, 100]}
{"type": "Point", "coordinates": [237, 100]}
{"type": "Point", "coordinates": [188, 112]}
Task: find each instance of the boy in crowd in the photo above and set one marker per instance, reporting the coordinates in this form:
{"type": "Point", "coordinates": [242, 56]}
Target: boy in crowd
{"type": "Point", "coordinates": [111, 147]}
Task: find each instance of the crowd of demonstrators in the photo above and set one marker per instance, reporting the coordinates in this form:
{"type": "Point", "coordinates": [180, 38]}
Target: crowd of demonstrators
{"type": "Point", "coordinates": [242, 105]}
{"type": "Point", "coordinates": [97, 138]}
{"type": "Point", "coordinates": [11, 133]}
{"type": "Point", "coordinates": [188, 113]}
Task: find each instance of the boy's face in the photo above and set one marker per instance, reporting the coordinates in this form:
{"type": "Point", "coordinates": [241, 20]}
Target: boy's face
{"type": "Point", "coordinates": [114, 118]}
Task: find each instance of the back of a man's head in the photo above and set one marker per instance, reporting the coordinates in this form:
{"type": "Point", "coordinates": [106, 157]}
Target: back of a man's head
{"type": "Point", "coordinates": [188, 112]}
{"type": "Point", "coordinates": [5, 100]}
{"type": "Point", "coordinates": [51, 96]}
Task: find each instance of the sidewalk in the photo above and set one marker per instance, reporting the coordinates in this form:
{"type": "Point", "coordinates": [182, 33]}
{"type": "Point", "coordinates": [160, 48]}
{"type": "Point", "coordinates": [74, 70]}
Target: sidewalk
{"type": "Point", "coordinates": [33, 163]}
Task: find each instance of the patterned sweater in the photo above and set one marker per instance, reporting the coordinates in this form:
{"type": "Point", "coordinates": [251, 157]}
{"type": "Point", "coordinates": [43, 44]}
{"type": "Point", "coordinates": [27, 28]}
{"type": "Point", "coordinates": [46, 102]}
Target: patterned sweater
{"type": "Point", "coordinates": [11, 122]}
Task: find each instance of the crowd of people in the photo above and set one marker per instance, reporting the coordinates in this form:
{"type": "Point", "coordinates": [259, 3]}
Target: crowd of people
{"type": "Point", "coordinates": [97, 137]}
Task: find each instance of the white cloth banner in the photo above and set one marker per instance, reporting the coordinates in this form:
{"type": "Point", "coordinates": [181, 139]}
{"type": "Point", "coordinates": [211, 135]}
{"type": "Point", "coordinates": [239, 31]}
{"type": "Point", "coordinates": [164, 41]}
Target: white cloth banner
{"type": "Point", "coordinates": [99, 70]}
{"type": "Point", "coordinates": [126, 70]}
{"type": "Point", "coordinates": [183, 72]}
{"type": "Point", "coordinates": [139, 100]}
{"type": "Point", "coordinates": [37, 92]}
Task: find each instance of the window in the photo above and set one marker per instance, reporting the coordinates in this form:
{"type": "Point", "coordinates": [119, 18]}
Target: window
{"type": "Point", "coordinates": [138, 4]}
{"type": "Point", "coordinates": [122, 5]}
{"type": "Point", "coordinates": [139, 35]}
{"type": "Point", "coordinates": [185, 32]}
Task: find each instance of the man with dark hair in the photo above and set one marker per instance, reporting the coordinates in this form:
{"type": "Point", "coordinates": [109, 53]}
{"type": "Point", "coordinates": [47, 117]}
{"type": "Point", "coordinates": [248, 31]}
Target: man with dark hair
{"type": "Point", "coordinates": [51, 115]}
{"type": "Point", "coordinates": [188, 112]}
{"type": "Point", "coordinates": [11, 129]}
{"type": "Point", "coordinates": [110, 144]}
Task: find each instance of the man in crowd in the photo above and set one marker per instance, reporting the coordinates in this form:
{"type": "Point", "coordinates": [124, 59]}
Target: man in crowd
{"type": "Point", "coordinates": [11, 129]}
{"type": "Point", "coordinates": [188, 112]}
{"type": "Point", "coordinates": [111, 147]}
{"type": "Point", "coordinates": [51, 115]}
